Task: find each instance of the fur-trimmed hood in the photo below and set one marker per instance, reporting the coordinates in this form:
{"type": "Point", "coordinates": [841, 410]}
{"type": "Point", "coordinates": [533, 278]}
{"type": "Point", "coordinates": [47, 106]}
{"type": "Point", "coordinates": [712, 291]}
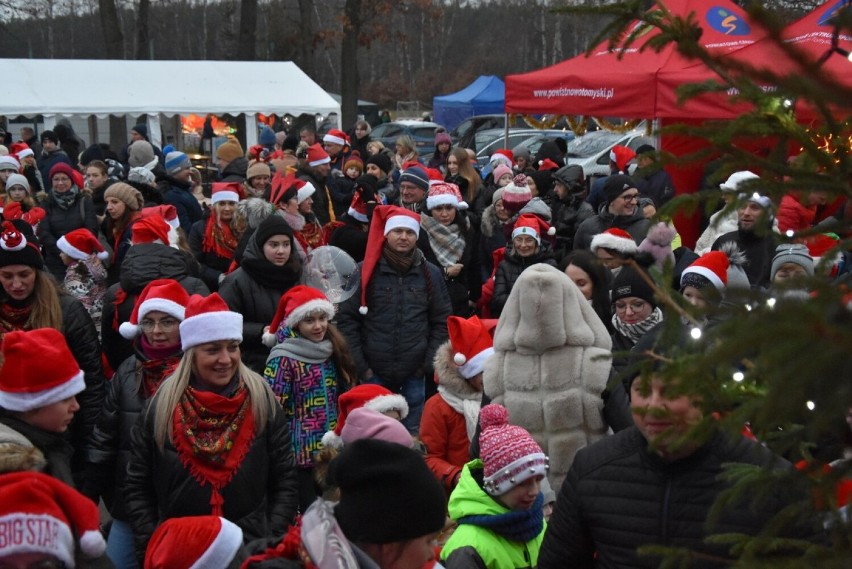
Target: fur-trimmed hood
{"type": "Point", "coordinates": [448, 372]}
{"type": "Point", "coordinates": [17, 453]}
{"type": "Point", "coordinates": [254, 211]}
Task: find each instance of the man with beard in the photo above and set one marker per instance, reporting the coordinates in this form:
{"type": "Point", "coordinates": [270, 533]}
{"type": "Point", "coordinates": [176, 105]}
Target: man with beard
{"type": "Point", "coordinates": [754, 238]}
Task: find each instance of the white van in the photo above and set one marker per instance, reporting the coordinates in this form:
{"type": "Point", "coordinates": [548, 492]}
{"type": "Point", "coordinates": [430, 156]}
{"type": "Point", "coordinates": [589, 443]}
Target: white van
{"type": "Point", "coordinates": [591, 151]}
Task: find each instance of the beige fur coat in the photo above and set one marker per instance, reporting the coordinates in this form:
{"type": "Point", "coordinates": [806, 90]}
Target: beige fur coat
{"type": "Point", "coordinates": [550, 366]}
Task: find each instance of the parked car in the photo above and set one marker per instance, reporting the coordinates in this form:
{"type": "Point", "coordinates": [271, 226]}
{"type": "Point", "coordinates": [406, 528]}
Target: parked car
{"type": "Point", "coordinates": [422, 132]}
{"type": "Point", "coordinates": [464, 134]}
{"type": "Point", "coordinates": [489, 141]}
{"type": "Point", "coordinates": [591, 151]}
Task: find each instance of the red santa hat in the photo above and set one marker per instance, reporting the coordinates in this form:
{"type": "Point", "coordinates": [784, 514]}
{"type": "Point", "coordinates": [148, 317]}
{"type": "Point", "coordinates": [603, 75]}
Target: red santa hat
{"type": "Point", "coordinates": [820, 245]}
{"type": "Point", "coordinates": [531, 224]}
{"type": "Point", "coordinates": [45, 516]}
{"type": "Point", "coordinates": [297, 304]}
{"type": "Point", "coordinates": [167, 212]}
{"type": "Point", "coordinates": [39, 370]}
{"type": "Point", "coordinates": [225, 192]}
{"type": "Point", "coordinates": [713, 266]}
{"type": "Point", "coordinates": [621, 156]}
{"type": "Point", "coordinates": [547, 164]}
{"type": "Point", "coordinates": [385, 219]}
{"type": "Point", "coordinates": [615, 239]}
{"type": "Point", "coordinates": [358, 207]}
{"type": "Point", "coordinates": [472, 344]}
{"type": "Point", "coordinates": [503, 155]}
{"type": "Point", "coordinates": [435, 176]}
{"type": "Point", "coordinates": [304, 190]}
{"type": "Point", "coordinates": [80, 243]}
{"type": "Point", "coordinates": [161, 295]}
{"type": "Point", "coordinates": [370, 396]}
{"type": "Point", "coordinates": [317, 155]}
{"type": "Point", "coordinates": [208, 319]}
{"type": "Point", "coordinates": [336, 136]}
{"type": "Point", "coordinates": [194, 542]}
{"type": "Point", "coordinates": [23, 153]}
{"type": "Point", "coordinates": [150, 229]}
{"type": "Point", "coordinates": [445, 193]}
{"type": "Point", "coordinates": [510, 456]}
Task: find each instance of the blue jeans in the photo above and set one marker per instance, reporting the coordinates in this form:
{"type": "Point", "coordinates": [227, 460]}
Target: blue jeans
{"type": "Point", "coordinates": [120, 546]}
{"type": "Point", "coordinates": [414, 391]}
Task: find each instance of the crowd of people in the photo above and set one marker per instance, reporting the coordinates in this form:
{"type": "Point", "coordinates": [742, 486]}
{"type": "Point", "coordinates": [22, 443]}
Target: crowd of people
{"type": "Point", "coordinates": [475, 402]}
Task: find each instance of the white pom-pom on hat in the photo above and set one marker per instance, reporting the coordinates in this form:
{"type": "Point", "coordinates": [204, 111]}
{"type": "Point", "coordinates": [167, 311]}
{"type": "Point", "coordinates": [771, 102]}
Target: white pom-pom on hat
{"type": "Point", "coordinates": [128, 331]}
{"type": "Point", "coordinates": [459, 359]}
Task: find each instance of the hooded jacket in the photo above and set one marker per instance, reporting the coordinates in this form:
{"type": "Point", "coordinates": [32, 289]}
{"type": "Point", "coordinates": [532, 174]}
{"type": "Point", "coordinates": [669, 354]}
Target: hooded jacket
{"type": "Point", "coordinates": [551, 365]}
{"type": "Point", "coordinates": [442, 429]}
{"type": "Point", "coordinates": [144, 263]}
{"type": "Point", "coordinates": [510, 269]}
{"type": "Point", "coordinates": [471, 546]}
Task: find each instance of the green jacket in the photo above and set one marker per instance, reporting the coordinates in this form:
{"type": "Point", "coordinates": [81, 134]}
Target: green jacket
{"type": "Point", "coordinates": [472, 546]}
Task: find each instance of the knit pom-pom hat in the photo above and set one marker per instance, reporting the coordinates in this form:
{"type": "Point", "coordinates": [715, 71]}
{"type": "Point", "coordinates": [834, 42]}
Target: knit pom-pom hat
{"type": "Point", "coordinates": [509, 454]}
{"type": "Point", "coordinates": [658, 242]}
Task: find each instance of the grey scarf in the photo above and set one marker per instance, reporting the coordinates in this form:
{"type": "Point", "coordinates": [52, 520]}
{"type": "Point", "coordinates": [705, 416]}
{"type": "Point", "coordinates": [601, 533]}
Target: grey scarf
{"type": "Point", "coordinates": [303, 350]}
{"type": "Point", "coordinates": [635, 331]}
{"type": "Point", "coordinates": [66, 199]}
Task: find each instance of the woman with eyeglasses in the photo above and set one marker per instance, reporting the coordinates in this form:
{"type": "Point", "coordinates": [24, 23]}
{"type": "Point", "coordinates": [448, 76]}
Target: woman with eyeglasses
{"type": "Point", "coordinates": [154, 328]}
{"type": "Point", "coordinates": [635, 311]}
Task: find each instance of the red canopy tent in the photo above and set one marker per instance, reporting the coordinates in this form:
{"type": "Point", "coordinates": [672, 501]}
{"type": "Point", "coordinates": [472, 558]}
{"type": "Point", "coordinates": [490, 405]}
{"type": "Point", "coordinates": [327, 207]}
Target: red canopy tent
{"type": "Point", "coordinates": [811, 35]}
{"type": "Point", "coordinates": [624, 82]}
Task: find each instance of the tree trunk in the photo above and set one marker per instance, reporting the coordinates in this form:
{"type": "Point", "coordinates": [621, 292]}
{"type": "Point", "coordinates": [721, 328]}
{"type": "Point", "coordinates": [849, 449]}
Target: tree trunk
{"type": "Point", "coordinates": [306, 45]}
{"type": "Point", "coordinates": [111, 27]}
{"type": "Point", "coordinates": [349, 80]}
{"type": "Point", "coordinates": [142, 39]}
{"type": "Point", "coordinates": [248, 27]}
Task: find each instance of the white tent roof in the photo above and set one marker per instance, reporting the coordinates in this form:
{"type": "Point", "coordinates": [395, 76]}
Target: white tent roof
{"type": "Point", "coordinates": [103, 87]}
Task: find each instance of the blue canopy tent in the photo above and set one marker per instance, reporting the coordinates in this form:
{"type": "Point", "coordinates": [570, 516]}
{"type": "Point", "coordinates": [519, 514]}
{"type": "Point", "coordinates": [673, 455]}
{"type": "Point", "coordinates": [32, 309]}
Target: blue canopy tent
{"type": "Point", "coordinates": [484, 96]}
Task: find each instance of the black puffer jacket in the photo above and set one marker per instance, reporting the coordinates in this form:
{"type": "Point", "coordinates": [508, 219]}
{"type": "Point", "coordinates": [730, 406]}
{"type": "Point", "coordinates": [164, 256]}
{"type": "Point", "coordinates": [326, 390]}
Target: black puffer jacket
{"type": "Point", "coordinates": [568, 214]}
{"type": "Point", "coordinates": [405, 323]}
{"type": "Point", "coordinates": [57, 222]}
{"type": "Point", "coordinates": [466, 286]}
{"type": "Point", "coordinates": [111, 443]}
{"type": "Point", "coordinates": [261, 498]}
{"type": "Point", "coordinates": [510, 268]}
{"type": "Point", "coordinates": [144, 263]}
{"type": "Point", "coordinates": [257, 304]}
{"type": "Point", "coordinates": [212, 265]}
{"type": "Point", "coordinates": [636, 225]}
{"type": "Point", "coordinates": [351, 237]}
{"type": "Point", "coordinates": [619, 496]}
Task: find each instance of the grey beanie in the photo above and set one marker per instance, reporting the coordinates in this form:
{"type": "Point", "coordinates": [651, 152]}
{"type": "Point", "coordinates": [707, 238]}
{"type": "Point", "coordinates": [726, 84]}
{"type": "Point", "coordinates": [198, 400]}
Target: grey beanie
{"type": "Point", "coordinates": [140, 153]}
{"type": "Point", "coordinates": [497, 196]}
{"type": "Point", "coordinates": [792, 253]}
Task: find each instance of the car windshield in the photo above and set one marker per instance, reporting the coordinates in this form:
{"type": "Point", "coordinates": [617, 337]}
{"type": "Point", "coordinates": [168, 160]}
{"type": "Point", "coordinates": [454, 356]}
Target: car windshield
{"type": "Point", "coordinates": [485, 137]}
{"type": "Point", "coordinates": [591, 144]}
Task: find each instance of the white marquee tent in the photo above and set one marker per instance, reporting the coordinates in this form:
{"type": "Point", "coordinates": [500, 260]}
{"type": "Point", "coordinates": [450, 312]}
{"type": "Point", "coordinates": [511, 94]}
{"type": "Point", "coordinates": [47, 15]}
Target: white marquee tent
{"type": "Point", "coordinates": [68, 87]}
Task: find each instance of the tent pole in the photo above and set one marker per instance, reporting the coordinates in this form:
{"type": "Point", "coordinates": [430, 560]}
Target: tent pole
{"type": "Point", "coordinates": [251, 129]}
{"type": "Point", "coordinates": [506, 132]}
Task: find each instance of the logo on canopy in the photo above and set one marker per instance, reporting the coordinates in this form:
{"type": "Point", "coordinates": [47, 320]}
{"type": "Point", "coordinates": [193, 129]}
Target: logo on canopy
{"type": "Point", "coordinates": [724, 21]}
{"type": "Point", "coordinates": [828, 16]}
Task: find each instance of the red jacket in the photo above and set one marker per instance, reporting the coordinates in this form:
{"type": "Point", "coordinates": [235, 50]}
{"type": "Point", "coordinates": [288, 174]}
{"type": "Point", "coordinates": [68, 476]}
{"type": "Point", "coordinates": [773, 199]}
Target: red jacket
{"type": "Point", "coordinates": [793, 215]}
{"type": "Point", "coordinates": [443, 432]}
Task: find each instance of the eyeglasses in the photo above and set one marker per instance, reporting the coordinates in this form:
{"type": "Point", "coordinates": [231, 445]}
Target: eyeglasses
{"type": "Point", "coordinates": [635, 306]}
{"type": "Point", "coordinates": [166, 324]}
{"type": "Point", "coordinates": [631, 197]}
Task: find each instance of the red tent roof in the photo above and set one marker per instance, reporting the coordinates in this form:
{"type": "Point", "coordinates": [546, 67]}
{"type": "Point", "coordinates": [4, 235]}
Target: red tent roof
{"type": "Point", "coordinates": [811, 35]}
{"type": "Point", "coordinates": [623, 82]}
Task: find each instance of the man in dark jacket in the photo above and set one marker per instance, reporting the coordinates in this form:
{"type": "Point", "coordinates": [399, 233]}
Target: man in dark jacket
{"type": "Point", "coordinates": [397, 318]}
{"type": "Point", "coordinates": [570, 208]}
{"type": "Point", "coordinates": [176, 187]}
{"type": "Point", "coordinates": [316, 169]}
{"type": "Point", "coordinates": [620, 209]}
{"type": "Point", "coordinates": [651, 179]}
{"type": "Point", "coordinates": [754, 238]}
{"type": "Point", "coordinates": [655, 483]}
{"type": "Point", "coordinates": [51, 155]}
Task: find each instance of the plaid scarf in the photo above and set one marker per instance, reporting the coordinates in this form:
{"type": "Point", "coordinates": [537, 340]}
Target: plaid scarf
{"type": "Point", "coordinates": [446, 240]}
{"type": "Point", "coordinates": [219, 239]}
{"type": "Point", "coordinates": [635, 331]}
{"type": "Point", "coordinates": [212, 436]}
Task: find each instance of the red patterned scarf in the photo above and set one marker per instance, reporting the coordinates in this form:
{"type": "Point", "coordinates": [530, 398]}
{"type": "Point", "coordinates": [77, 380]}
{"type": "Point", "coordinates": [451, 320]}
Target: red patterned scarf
{"type": "Point", "coordinates": [212, 435]}
{"type": "Point", "coordinates": [14, 318]}
{"type": "Point", "coordinates": [219, 239]}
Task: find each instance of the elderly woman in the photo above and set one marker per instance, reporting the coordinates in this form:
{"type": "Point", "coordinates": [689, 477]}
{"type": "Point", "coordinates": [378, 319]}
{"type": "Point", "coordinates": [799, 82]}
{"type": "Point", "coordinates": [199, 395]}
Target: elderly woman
{"type": "Point", "coordinates": [66, 209]}
{"type": "Point", "coordinates": [451, 245]}
{"type": "Point", "coordinates": [213, 440]}
{"type": "Point", "coordinates": [153, 328]}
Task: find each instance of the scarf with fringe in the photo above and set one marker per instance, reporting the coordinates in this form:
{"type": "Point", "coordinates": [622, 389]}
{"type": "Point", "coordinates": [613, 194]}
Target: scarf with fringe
{"type": "Point", "coordinates": [212, 436]}
{"type": "Point", "coordinates": [446, 240]}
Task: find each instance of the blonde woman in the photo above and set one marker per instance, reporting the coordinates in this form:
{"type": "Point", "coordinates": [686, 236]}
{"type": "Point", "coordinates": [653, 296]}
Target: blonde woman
{"type": "Point", "coordinates": [213, 441]}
